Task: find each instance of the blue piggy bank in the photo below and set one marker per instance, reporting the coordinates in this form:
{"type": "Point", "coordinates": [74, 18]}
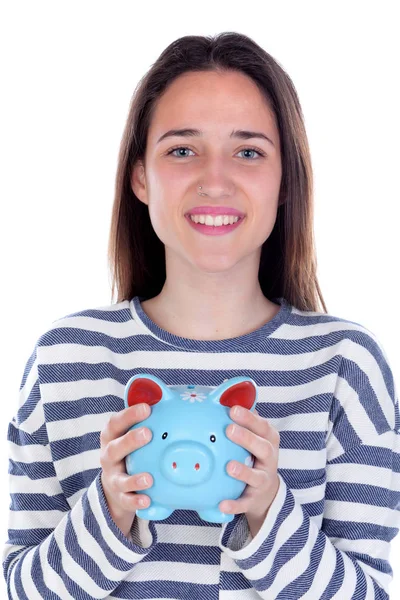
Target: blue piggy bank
{"type": "Point", "coordinates": [189, 451]}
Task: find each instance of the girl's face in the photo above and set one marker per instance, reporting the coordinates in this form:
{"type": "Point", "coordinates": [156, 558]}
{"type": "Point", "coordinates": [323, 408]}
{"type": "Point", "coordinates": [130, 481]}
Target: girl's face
{"type": "Point", "coordinates": [229, 172]}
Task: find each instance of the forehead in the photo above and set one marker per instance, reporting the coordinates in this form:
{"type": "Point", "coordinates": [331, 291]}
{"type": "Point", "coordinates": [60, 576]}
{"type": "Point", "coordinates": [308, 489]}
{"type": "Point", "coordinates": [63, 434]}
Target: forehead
{"type": "Point", "coordinates": [202, 99]}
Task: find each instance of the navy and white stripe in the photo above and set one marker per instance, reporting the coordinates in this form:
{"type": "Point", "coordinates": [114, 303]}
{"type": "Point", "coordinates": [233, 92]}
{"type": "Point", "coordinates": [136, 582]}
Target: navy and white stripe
{"type": "Point", "coordinates": [324, 383]}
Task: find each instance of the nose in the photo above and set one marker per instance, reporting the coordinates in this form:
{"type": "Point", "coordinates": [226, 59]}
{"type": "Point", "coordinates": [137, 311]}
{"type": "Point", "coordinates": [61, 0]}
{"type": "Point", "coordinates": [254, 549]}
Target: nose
{"type": "Point", "coordinates": [187, 463]}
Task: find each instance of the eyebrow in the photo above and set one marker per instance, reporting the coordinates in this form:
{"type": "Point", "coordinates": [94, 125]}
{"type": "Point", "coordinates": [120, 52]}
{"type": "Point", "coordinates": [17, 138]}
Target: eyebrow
{"type": "Point", "coordinates": [238, 133]}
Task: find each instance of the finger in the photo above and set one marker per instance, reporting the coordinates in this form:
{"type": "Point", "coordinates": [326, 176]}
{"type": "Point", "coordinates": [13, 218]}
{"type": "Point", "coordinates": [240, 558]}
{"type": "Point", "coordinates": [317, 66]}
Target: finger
{"type": "Point", "coordinates": [234, 507]}
{"type": "Point", "coordinates": [257, 424]}
{"type": "Point", "coordinates": [126, 490]}
{"type": "Point", "coordinates": [262, 449]}
{"type": "Point", "coordinates": [231, 507]}
{"type": "Point", "coordinates": [253, 477]}
{"type": "Point", "coordinates": [120, 421]}
{"type": "Point", "coordinates": [132, 501]}
{"type": "Point", "coordinates": [241, 504]}
{"type": "Point", "coordinates": [132, 483]}
{"type": "Point", "coordinates": [116, 450]}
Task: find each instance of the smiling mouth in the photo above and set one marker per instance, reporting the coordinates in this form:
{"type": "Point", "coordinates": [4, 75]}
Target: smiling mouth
{"type": "Point", "coordinates": [214, 220]}
{"type": "Point", "coordinates": [215, 229]}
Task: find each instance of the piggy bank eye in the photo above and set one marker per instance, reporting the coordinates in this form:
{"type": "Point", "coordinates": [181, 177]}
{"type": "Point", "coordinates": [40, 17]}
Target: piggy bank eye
{"type": "Point", "coordinates": [213, 438]}
{"type": "Point", "coordinates": [164, 435]}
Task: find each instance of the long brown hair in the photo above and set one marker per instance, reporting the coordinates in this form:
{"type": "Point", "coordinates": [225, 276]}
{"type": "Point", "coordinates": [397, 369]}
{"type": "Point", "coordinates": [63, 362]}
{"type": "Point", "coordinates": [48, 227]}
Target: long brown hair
{"type": "Point", "coordinates": [288, 259]}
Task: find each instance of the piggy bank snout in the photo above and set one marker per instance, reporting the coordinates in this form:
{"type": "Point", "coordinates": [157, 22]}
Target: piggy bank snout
{"type": "Point", "coordinates": [187, 463]}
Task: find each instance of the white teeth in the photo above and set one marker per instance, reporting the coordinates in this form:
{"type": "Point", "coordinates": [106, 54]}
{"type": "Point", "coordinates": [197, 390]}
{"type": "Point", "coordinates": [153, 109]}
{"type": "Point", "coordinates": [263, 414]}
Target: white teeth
{"type": "Point", "coordinates": [215, 221]}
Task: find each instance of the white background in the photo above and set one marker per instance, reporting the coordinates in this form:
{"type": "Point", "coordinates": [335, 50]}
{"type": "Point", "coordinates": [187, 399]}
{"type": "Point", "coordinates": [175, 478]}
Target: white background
{"type": "Point", "coordinates": [68, 71]}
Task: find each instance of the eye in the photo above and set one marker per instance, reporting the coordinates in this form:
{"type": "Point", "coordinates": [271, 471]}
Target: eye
{"type": "Point", "coordinates": [250, 149]}
{"type": "Point", "coordinates": [178, 148]}
{"type": "Point", "coordinates": [259, 152]}
{"type": "Point", "coordinates": [213, 438]}
{"type": "Point", "coordinates": [164, 435]}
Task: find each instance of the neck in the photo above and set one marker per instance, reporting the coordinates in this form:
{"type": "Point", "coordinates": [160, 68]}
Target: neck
{"type": "Point", "coordinates": [210, 306]}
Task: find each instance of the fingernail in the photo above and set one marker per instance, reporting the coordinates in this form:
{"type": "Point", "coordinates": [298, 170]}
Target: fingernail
{"type": "Point", "coordinates": [143, 433]}
{"type": "Point", "coordinates": [238, 412]}
{"type": "Point", "coordinates": [143, 480]}
{"type": "Point", "coordinates": [232, 429]}
{"type": "Point", "coordinates": [234, 469]}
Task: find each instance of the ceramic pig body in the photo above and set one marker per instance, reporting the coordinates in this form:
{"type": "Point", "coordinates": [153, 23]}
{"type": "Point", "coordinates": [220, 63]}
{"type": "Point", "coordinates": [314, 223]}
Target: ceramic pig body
{"type": "Point", "coordinates": [189, 451]}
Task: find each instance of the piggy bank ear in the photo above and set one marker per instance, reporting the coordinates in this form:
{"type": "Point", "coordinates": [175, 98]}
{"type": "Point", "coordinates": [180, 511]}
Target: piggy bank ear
{"type": "Point", "coordinates": [144, 390]}
{"type": "Point", "coordinates": [243, 394]}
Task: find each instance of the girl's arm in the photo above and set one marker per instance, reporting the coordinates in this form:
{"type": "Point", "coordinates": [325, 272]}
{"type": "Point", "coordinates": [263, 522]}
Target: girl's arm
{"type": "Point", "coordinates": [53, 550]}
{"type": "Point", "coordinates": [347, 557]}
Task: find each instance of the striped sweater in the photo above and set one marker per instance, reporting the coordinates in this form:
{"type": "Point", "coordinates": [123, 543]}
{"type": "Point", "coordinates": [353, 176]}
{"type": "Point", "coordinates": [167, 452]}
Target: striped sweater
{"type": "Point", "coordinates": [324, 383]}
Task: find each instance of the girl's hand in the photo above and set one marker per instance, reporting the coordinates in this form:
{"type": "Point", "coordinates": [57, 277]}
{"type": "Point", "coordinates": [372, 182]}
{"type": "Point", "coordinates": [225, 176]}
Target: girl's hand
{"type": "Point", "coordinates": [256, 435]}
{"type": "Point", "coordinates": [116, 443]}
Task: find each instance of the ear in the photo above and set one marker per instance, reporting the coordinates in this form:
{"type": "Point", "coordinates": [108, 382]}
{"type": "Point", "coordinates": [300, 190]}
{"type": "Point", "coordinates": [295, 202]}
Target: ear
{"type": "Point", "coordinates": [144, 390]}
{"type": "Point", "coordinates": [138, 182]}
{"type": "Point", "coordinates": [243, 394]}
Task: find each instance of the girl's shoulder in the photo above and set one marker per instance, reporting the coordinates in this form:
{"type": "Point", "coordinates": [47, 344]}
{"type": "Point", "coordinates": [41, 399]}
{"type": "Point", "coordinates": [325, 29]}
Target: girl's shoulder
{"type": "Point", "coordinates": [106, 319]}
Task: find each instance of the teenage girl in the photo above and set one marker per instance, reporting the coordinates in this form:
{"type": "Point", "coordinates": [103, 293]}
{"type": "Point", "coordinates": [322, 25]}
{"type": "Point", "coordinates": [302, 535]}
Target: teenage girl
{"type": "Point", "coordinates": [213, 259]}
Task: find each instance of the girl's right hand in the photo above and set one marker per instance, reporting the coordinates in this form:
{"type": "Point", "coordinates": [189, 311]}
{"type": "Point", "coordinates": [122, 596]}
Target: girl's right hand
{"type": "Point", "coordinates": [116, 443]}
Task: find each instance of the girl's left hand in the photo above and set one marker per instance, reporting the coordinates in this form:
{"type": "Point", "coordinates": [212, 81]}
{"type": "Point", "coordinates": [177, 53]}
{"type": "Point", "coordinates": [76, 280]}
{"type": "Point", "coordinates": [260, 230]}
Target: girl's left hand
{"type": "Point", "coordinates": [255, 434]}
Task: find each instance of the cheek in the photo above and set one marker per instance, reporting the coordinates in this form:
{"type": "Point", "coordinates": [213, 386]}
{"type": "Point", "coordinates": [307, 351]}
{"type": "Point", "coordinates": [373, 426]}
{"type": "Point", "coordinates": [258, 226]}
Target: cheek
{"type": "Point", "coordinates": [164, 212]}
{"type": "Point", "coordinates": [172, 177]}
{"type": "Point", "coordinates": [159, 220]}
{"type": "Point", "coordinates": [171, 191]}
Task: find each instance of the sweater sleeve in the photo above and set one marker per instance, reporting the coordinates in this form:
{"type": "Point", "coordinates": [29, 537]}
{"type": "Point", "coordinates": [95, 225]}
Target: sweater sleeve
{"type": "Point", "coordinates": [348, 556]}
{"type": "Point", "coordinates": [55, 551]}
